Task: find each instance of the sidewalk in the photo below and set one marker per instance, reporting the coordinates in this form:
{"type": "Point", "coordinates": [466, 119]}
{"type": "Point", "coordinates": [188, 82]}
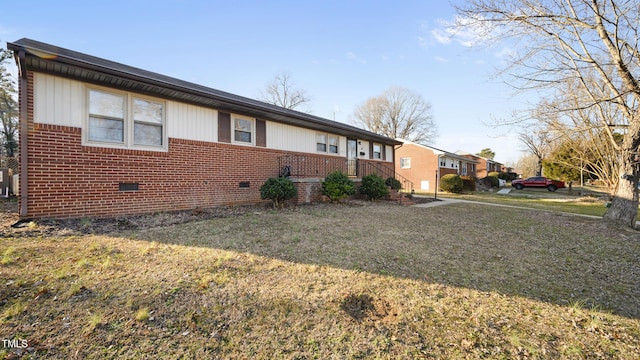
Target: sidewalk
{"type": "Point", "coordinates": [448, 201]}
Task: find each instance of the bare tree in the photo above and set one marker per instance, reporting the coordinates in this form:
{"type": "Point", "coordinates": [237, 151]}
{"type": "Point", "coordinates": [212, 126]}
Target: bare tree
{"type": "Point", "coordinates": [538, 144]}
{"type": "Point", "coordinates": [595, 43]}
{"type": "Point", "coordinates": [583, 135]}
{"type": "Point", "coordinates": [398, 113]}
{"type": "Point", "coordinates": [527, 165]}
{"type": "Point", "coordinates": [8, 109]}
{"type": "Point", "coordinates": [281, 91]}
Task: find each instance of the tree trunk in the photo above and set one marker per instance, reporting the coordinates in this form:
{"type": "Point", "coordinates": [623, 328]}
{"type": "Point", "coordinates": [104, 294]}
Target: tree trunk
{"type": "Point", "coordinates": [624, 205]}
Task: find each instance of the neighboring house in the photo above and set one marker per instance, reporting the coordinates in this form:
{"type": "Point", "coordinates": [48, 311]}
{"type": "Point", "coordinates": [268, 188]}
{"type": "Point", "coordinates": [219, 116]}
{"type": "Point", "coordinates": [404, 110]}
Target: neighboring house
{"type": "Point", "coordinates": [423, 164]}
{"type": "Point", "coordinates": [484, 167]}
{"type": "Point", "coordinates": [99, 138]}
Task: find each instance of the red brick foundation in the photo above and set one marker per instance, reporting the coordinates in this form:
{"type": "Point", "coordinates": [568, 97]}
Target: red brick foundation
{"type": "Point", "coordinates": [67, 179]}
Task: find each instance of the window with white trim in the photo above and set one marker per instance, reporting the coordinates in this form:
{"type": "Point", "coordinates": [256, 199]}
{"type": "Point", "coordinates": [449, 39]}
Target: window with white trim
{"type": "Point", "coordinates": [125, 120]}
{"type": "Point", "coordinates": [333, 144]}
{"type": "Point", "coordinates": [106, 117]}
{"type": "Point", "coordinates": [405, 163]}
{"type": "Point", "coordinates": [377, 151]}
{"type": "Point", "coordinates": [147, 122]}
{"type": "Point", "coordinates": [243, 130]}
{"type": "Point", "coordinates": [326, 143]}
{"type": "Point", "coordinates": [321, 143]}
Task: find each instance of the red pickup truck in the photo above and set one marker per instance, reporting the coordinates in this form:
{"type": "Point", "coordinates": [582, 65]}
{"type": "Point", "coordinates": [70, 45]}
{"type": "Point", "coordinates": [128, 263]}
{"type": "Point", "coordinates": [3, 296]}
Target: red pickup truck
{"type": "Point", "coordinates": [537, 181]}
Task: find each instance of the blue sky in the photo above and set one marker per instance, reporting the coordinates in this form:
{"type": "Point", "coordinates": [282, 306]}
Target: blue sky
{"type": "Point", "coordinates": [340, 52]}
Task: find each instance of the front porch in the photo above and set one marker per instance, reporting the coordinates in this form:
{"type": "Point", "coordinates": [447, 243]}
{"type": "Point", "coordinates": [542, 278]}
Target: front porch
{"type": "Point", "coordinates": [308, 171]}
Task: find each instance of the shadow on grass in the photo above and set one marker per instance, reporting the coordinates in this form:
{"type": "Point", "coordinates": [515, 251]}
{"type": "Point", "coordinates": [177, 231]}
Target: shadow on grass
{"type": "Point", "coordinates": [563, 260]}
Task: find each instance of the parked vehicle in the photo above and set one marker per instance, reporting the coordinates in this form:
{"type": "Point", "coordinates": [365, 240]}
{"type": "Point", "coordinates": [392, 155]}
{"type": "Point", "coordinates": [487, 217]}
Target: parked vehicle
{"type": "Point", "coordinates": [538, 181]}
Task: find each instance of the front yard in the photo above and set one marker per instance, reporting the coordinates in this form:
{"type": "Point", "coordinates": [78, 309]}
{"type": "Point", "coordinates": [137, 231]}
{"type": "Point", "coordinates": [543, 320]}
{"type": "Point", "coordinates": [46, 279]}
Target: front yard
{"type": "Point", "coordinates": [351, 281]}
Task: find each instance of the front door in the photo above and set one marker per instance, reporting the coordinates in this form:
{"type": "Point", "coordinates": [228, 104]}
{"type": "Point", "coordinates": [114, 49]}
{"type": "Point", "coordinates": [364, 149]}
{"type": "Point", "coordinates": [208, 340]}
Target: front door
{"type": "Point", "coordinates": [352, 157]}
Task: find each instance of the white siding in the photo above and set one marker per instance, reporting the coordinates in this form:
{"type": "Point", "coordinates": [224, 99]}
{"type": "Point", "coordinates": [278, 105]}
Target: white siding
{"type": "Point", "coordinates": [290, 138]}
{"type": "Point", "coordinates": [191, 122]}
{"type": "Point", "coordinates": [363, 149]}
{"type": "Point", "coordinates": [342, 146]}
{"type": "Point", "coordinates": [389, 153]}
{"type": "Point", "coordinates": [58, 101]}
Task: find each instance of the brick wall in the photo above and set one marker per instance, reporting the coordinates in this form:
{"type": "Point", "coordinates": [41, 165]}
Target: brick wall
{"type": "Point", "coordinates": [67, 179]}
{"type": "Point", "coordinates": [424, 164]}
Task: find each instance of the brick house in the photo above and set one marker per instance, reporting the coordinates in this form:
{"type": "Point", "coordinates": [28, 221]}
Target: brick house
{"type": "Point", "coordinates": [484, 167]}
{"type": "Point", "coordinates": [99, 138]}
{"type": "Point", "coordinates": [423, 164]}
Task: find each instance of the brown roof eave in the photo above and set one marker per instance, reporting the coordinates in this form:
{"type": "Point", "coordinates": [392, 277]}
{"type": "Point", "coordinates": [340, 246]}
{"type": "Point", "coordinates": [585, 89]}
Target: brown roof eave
{"type": "Point", "coordinates": [256, 107]}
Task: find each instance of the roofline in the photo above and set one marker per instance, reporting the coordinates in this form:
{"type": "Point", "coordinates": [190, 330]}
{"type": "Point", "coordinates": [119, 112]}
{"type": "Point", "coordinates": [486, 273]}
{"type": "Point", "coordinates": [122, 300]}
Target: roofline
{"type": "Point", "coordinates": [88, 62]}
{"type": "Point", "coordinates": [443, 152]}
{"type": "Point", "coordinates": [463, 153]}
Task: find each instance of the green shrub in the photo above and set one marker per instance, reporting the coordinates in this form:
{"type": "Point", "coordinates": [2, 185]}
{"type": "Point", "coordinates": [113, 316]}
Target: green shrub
{"type": "Point", "coordinates": [278, 190]}
{"type": "Point", "coordinates": [337, 186]}
{"type": "Point", "coordinates": [495, 182]}
{"type": "Point", "coordinates": [373, 187]}
{"type": "Point", "coordinates": [451, 183]}
{"type": "Point", "coordinates": [393, 183]}
{"type": "Point", "coordinates": [495, 174]}
{"type": "Point", "coordinates": [469, 183]}
{"type": "Point", "coordinates": [508, 176]}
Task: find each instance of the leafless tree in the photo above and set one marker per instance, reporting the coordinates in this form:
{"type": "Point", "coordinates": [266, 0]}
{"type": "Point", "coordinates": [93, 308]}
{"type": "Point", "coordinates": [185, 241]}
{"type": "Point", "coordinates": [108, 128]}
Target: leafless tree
{"type": "Point", "coordinates": [8, 109]}
{"type": "Point", "coordinates": [583, 135]}
{"type": "Point", "coordinates": [281, 91]}
{"type": "Point", "coordinates": [398, 113]}
{"type": "Point", "coordinates": [573, 40]}
{"type": "Point", "coordinates": [537, 143]}
{"type": "Point", "coordinates": [527, 165]}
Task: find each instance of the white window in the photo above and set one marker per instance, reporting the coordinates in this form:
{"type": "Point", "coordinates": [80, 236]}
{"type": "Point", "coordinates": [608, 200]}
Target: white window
{"type": "Point", "coordinates": [243, 130]}
{"type": "Point", "coordinates": [321, 143]}
{"type": "Point", "coordinates": [333, 144]}
{"type": "Point", "coordinates": [377, 151]}
{"type": "Point", "coordinates": [405, 163]}
{"type": "Point", "coordinates": [147, 122]}
{"type": "Point", "coordinates": [106, 117]}
{"type": "Point", "coordinates": [326, 143]}
{"type": "Point", "coordinates": [125, 120]}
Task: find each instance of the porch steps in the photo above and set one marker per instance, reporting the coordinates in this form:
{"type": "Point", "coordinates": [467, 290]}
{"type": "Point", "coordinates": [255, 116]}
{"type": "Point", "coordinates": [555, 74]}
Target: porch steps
{"type": "Point", "coordinates": [399, 198]}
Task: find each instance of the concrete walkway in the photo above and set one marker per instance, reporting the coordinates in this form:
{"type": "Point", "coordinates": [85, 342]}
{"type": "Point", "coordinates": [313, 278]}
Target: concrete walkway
{"type": "Point", "coordinates": [448, 201]}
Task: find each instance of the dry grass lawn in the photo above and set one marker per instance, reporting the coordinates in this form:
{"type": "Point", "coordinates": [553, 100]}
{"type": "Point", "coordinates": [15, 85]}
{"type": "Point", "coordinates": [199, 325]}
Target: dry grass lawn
{"type": "Point", "coordinates": [323, 281]}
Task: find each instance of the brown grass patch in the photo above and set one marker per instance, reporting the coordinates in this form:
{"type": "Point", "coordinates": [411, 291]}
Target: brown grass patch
{"type": "Point", "coordinates": [373, 281]}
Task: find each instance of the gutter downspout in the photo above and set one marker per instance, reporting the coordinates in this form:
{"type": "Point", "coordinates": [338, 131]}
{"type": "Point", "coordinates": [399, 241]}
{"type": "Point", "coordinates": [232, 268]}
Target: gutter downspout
{"type": "Point", "coordinates": [24, 132]}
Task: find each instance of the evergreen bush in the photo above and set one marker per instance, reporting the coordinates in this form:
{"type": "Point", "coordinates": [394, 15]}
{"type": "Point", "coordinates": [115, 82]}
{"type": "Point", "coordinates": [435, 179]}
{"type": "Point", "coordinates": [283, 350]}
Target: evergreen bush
{"type": "Point", "coordinates": [393, 183]}
{"type": "Point", "coordinates": [451, 183]}
{"type": "Point", "coordinates": [337, 186]}
{"type": "Point", "coordinates": [495, 182]}
{"type": "Point", "coordinates": [278, 190]}
{"type": "Point", "coordinates": [374, 187]}
{"type": "Point", "coordinates": [469, 183]}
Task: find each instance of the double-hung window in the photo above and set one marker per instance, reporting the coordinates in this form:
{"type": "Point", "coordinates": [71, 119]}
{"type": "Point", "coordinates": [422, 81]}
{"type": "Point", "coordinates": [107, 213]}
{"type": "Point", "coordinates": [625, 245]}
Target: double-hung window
{"type": "Point", "coordinates": [147, 122]}
{"type": "Point", "coordinates": [333, 144]}
{"type": "Point", "coordinates": [243, 130]}
{"type": "Point", "coordinates": [321, 143]}
{"type": "Point", "coordinates": [326, 143]}
{"type": "Point", "coordinates": [125, 120]}
{"type": "Point", "coordinates": [377, 151]}
{"type": "Point", "coordinates": [106, 117]}
{"type": "Point", "coordinates": [405, 163]}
